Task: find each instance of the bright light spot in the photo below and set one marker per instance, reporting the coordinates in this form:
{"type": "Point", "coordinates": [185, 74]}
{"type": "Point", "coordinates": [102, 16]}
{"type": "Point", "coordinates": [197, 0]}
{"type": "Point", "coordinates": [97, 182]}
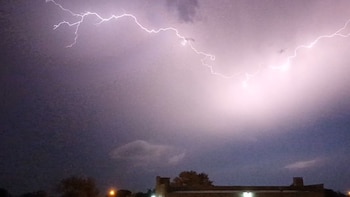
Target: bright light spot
{"type": "Point", "coordinates": [112, 192]}
{"type": "Point", "coordinates": [285, 67]}
{"type": "Point", "coordinates": [247, 194]}
{"type": "Point", "coordinates": [183, 42]}
{"type": "Point", "coordinates": [244, 84]}
{"type": "Point", "coordinates": [153, 195]}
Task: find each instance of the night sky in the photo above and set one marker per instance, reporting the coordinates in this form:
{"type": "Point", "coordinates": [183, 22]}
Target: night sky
{"type": "Point", "coordinates": [123, 105]}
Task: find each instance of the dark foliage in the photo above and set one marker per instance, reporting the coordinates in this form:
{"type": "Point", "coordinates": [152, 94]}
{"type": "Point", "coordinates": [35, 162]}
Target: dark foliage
{"type": "Point", "coordinates": [123, 193]}
{"type": "Point", "coordinates": [149, 193]}
{"type": "Point", "coordinates": [4, 193]}
{"type": "Point", "coordinates": [192, 179]}
{"type": "Point", "coordinates": [35, 194]}
{"type": "Point", "coordinates": [77, 187]}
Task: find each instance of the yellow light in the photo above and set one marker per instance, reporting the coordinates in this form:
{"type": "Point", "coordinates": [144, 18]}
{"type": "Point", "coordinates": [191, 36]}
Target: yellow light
{"type": "Point", "coordinates": [111, 192]}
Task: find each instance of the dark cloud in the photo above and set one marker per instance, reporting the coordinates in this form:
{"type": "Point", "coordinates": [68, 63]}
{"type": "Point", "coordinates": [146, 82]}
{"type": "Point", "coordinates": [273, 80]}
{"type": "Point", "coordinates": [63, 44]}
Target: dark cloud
{"type": "Point", "coordinates": [186, 9]}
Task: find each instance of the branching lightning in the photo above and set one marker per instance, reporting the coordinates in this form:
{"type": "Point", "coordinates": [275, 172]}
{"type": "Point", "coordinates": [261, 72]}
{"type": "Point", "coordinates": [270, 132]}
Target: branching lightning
{"type": "Point", "coordinates": [338, 33]}
{"type": "Point", "coordinates": [184, 41]}
{"type": "Point", "coordinates": [206, 58]}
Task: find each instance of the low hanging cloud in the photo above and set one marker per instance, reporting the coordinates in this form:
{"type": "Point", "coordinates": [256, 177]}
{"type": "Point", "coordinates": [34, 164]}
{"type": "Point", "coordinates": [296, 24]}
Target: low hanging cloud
{"type": "Point", "coordinates": [302, 164]}
{"type": "Point", "coordinates": [186, 9]}
{"type": "Point", "coordinates": [143, 153]}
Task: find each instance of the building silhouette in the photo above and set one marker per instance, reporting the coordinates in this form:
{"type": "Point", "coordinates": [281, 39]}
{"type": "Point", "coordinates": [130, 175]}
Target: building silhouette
{"type": "Point", "coordinates": [296, 189]}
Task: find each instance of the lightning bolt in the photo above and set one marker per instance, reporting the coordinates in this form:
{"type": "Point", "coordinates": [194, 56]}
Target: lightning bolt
{"type": "Point", "coordinates": [207, 59]}
{"type": "Point", "coordinates": [184, 41]}
{"type": "Point", "coordinates": [338, 33]}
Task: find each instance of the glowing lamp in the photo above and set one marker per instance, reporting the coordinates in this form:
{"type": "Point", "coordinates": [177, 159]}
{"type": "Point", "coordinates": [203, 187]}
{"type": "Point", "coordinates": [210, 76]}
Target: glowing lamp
{"type": "Point", "coordinates": [111, 192]}
{"type": "Point", "coordinates": [247, 194]}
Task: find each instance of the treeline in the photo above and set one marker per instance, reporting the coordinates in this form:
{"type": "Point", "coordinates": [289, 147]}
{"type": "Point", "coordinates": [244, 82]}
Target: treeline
{"type": "Point", "coordinates": [76, 186]}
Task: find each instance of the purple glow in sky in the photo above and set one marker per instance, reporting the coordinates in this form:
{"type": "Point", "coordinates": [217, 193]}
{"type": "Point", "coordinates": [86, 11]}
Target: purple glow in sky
{"type": "Point", "coordinates": [125, 102]}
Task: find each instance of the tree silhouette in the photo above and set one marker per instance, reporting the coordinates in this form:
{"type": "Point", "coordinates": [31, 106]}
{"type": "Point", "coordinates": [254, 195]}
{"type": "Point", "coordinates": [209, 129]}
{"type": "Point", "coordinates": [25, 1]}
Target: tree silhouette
{"type": "Point", "coordinates": [149, 193]}
{"type": "Point", "coordinates": [123, 193]}
{"type": "Point", "coordinates": [77, 187]}
{"type": "Point", "coordinates": [39, 193]}
{"type": "Point", "coordinates": [4, 193]}
{"type": "Point", "coordinates": [192, 179]}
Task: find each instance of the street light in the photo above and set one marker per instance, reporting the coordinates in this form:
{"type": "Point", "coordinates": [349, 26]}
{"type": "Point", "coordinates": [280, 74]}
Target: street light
{"type": "Point", "coordinates": [112, 192]}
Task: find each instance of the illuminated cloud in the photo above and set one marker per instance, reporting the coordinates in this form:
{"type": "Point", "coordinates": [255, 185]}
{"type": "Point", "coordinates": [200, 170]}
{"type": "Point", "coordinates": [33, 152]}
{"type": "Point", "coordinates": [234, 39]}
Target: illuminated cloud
{"type": "Point", "coordinates": [302, 164]}
{"type": "Point", "coordinates": [143, 153]}
{"type": "Point", "coordinates": [186, 9]}
{"type": "Point", "coordinates": [176, 158]}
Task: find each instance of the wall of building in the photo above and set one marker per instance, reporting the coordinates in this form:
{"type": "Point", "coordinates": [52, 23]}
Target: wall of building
{"type": "Point", "coordinates": [253, 194]}
{"type": "Point", "coordinates": [297, 189]}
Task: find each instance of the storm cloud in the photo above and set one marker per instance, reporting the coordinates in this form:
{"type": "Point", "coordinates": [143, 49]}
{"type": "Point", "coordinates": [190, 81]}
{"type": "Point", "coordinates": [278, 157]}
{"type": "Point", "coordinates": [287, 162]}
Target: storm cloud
{"type": "Point", "coordinates": [185, 9]}
{"type": "Point", "coordinates": [125, 105]}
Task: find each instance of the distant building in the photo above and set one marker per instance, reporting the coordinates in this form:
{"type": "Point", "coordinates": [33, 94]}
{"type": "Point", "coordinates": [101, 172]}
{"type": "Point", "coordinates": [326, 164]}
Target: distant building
{"type": "Point", "coordinates": [297, 189]}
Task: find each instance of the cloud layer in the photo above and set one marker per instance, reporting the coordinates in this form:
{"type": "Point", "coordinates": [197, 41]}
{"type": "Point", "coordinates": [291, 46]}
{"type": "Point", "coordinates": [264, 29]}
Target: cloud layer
{"type": "Point", "coordinates": [143, 153]}
{"type": "Point", "coordinates": [302, 164]}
